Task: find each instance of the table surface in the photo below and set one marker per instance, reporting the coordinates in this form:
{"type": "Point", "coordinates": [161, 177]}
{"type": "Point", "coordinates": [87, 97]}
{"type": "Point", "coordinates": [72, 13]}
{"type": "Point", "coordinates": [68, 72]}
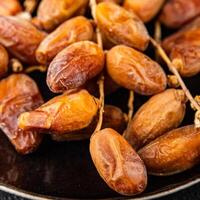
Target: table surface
{"type": "Point", "coordinates": [192, 193]}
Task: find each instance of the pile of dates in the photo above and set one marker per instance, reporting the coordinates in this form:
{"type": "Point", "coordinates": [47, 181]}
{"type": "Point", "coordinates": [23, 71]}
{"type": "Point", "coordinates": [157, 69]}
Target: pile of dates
{"type": "Point", "coordinates": [62, 36]}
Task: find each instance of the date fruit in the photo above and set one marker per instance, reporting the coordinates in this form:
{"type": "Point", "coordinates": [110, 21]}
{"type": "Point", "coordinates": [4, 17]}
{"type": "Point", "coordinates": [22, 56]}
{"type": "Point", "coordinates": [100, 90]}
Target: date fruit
{"type": "Point", "coordinates": [117, 162]}
{"type": "Point", "coordinates": [135, 71]}
{"type": "Point", "coordinates": [75, 65]}
{"type": "Point", "coordinates": [20, 37]}
{"type": "Point", "coordinates": [51, 13]}
{"type": "Point", "coordinates": [178, 12]}
{"type": "Point", "coordinates": [172, 153]}
{"type": "Point", "coordinates": [10, 7]}
{"type": "Point", "coordinates": [4, 59]}
{"type": "Point", "coordinates": [184, 47]}
{"type": "Point", "coordinates": [18, 94]}
{"type": "Point", "coordinates": [121, 26]}
{"type": "Point", "coordinates": [74, 30]}
{"type": "Point", "coordinates": [145, 9]}
{"type": "Point", "coordinates": [160, 114]}
{"type": "Point", "coordinates": [65, 113]}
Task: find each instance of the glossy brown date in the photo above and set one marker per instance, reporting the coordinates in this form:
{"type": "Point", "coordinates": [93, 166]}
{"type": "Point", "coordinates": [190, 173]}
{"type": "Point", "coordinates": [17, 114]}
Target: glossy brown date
{"type": "Point", "coordinates": [117, 162]}
{"type": "Point", "coordinates": [113, 118]}
{"type": "Point", "coordinates": [10, 7]}
{"type": "Point", "coordinates": [178, 12]}
{"type": "Point", "coordinates": [20, 37]}
{"type": "Point", "coordinates": [145, 9]}
{"type": "Point", "coordinates": [135, 71]}
{"type": "Point", "coordinates": [75, 65]}
{"type": "Point", "coordinates": [65, 113]}
{"type": "Point", "coordinates": [121, 26]}
{"type": "Point", "coordinates": [74, 30]}
{"type": "Point", "coordinates": [172, 153]}
{"type": "Point", "coordinates": [184, 46]}
{"type": "Point", "coordinates": [51, 13]}
{"type": "Point", "coordinates": [161, 113]}
{"type": "Point", "coordinates": [4, 59]}
{"type": "Point", "coordinates": [19, 93]}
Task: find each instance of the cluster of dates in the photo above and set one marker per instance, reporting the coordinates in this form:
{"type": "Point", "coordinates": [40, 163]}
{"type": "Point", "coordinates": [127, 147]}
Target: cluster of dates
{"type": "Point", "coordinates": [63, 39]}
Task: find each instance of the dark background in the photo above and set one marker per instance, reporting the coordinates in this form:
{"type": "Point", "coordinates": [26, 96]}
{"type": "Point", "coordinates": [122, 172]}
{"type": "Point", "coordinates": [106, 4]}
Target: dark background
{"type": "Point", "coordinates": [192, 193]}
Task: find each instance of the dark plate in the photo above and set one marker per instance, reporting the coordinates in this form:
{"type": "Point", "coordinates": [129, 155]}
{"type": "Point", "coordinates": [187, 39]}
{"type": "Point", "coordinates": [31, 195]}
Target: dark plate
{"type": "Point", "coordinates": [65, 170]}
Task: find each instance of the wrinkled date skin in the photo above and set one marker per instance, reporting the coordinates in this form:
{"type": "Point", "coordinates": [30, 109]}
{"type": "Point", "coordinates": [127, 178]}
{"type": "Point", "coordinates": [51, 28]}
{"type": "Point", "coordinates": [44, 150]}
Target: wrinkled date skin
{"type": "Point", "coordinates": [135, 71]}
{"type": "Point", "coordinates": [160, 114]}
{"type": "Point", "coordinates": [71, 31]}
{"type": "Point", "coordinates": [172, 153]}
{"type": "Point", "coordinates": [121, 26]}
{"type": "Point", "coordinates": [20, 37]}
{"type": "Point", "coordinates": [75, 65]}
{"type": "Point", "coordinates": [145, 9]}
{"type": "Point", "coordinates": [113, 118]}
{"type": "Point", "coordinates": [184, 46]}
{"type": "Point", "coordinates": [4, 59]}
{"type": "Point", "coordinates": [117, 162]}
{"type": "Point", "coordinates": [19, 93]}
{"type": "Point", "coordinates": [178, 12]}
{"type": "Point", "coordinates": [10, 7]}
{"type": "Point", "coordinates": [51, 13]}
{"type": "Point", "coordinates": [65, 113]}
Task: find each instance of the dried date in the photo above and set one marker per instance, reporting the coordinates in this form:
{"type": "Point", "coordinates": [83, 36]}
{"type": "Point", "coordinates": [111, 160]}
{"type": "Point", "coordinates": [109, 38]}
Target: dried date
{"type": "Point", "coordinates": [65, 113]}
{"type": "Point", "coordinates": [74, 30]}
{"type": "Point", "coordinates": [121, 26]}
{"type": "Point", "coordinates": [117, 162]}
{"type": "Point", "coordinates": [75, 65]}
{"type": "Point", "coordinates": [19, 93]}
{"type": "Point", "coordinates": [160, 114]}
{"type": "Point", "coordinates": [135, 71]}
{"type": "Point", "coordinates": [174, 152]}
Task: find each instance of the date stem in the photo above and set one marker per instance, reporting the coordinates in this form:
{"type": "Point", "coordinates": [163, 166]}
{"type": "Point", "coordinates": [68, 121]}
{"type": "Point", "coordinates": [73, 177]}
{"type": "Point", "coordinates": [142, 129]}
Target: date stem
{"type": "Point", "coordinates": [93, 5]}
{"type": "Point", "coordinates": [130, 105]}
{"type": "Point", "coordinates": [16, 65]}
{"type": "Point", "coordinates": [173, 69]}
{"type": "Point", "coordinates": [40, 68]}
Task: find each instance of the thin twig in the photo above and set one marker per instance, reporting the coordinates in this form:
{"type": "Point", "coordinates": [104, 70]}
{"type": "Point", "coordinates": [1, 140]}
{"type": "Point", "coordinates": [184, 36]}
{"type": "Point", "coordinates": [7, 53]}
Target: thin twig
{"type": "Point", "coordinates": [173, 69]}
{"type": "Point", "coordinates": [101, 80]}
{"type": "Point", "coordinates": [130, 105]}
{"type": "Point", "coordinates": [40, 68]}
{"type": "Point", "coordinates": [158, 37]}
{"type": "Point", "coordinates": [101, 109]}
{"type": "Point", "coordinates": [30, 5]}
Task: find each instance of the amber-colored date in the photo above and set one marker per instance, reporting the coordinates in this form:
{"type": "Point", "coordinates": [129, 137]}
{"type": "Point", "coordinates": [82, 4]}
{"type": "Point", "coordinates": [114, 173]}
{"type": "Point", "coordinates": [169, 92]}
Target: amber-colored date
{"type": "Point", "coordinates": [161, 113]}
{"type": "Point", "coordinates": [3, 61]}
{"type": "Point", "coordinates": [51, 13]}
{"type": "Point", "coordinates": [65, 113]}
{"type": "Point", "coordinates": [172, 153]}
{"type": "Point", "coordinates": [145, 9]}
{"type": "Point", "coordinates": [20, 37]}
{"type": "Point", "coordinates": [135, 71]}
{"type": "Point", "coordinates": [178, 12]}
{"type": "Point", "coordinates": [74, 30]}
{"type": "Point", "coordinates": [113, 118]}
{"type": "Point", "coordinates": [121, 26]}
{"type": "Point", "coordinates": [117, 162]}
{"type": "Point", "coordinates": [10, 7]}
{"type": "Point", "coordinates": [19, 93]}
{"type": "Point", "coordinates": [75, 65]}
{"type": "Point", "coordinates": [184, 48]}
